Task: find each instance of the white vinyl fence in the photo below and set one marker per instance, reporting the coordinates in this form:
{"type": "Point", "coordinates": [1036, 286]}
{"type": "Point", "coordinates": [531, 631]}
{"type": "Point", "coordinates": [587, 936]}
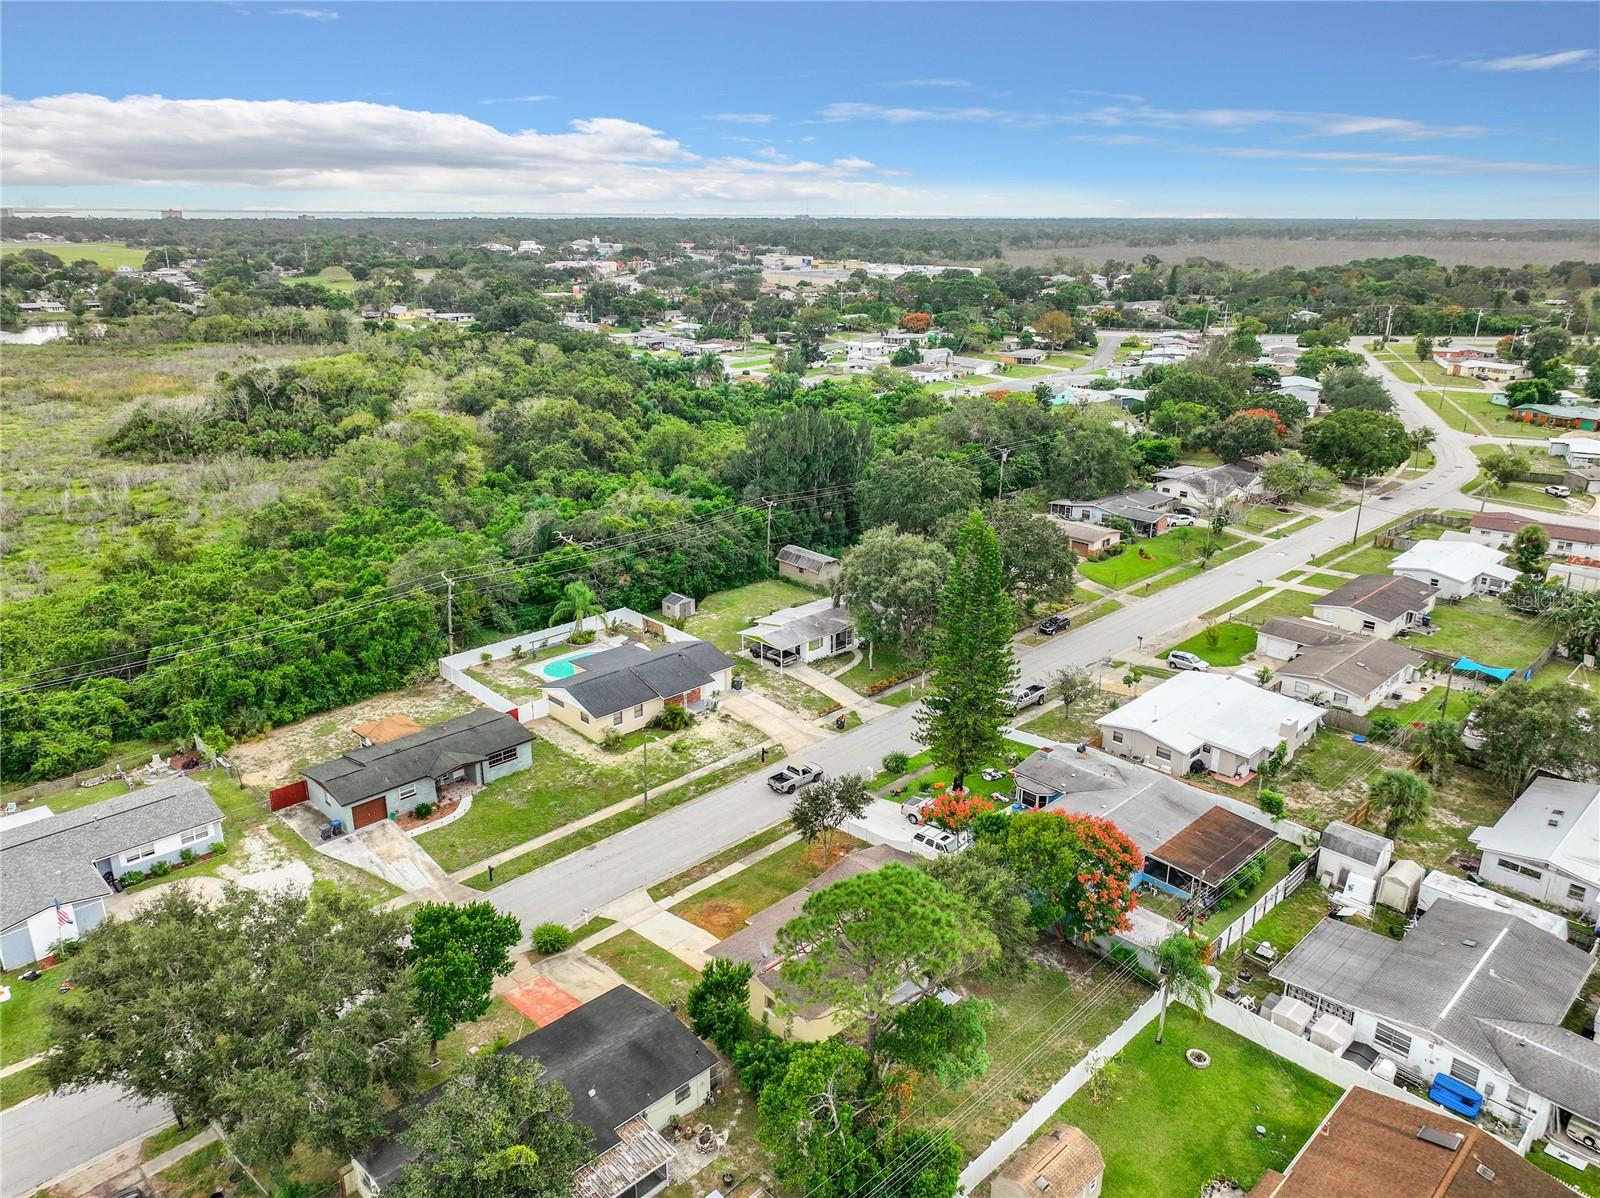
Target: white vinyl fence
{"type": "Point", "coordinates": [1042, 1111]}
{"type": "Point", "coordinates": [1280, 890]}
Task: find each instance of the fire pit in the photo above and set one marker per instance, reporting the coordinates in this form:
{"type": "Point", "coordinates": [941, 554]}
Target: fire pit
{"type": "Point", "coordinates": [1197, 1058]}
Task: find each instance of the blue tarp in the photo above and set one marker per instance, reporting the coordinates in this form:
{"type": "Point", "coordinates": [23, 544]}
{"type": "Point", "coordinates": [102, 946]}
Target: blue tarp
{"type": "Point", "coordinates": [1454, 1095]}
{"type": "Point", "coordinates": [1466, 665]}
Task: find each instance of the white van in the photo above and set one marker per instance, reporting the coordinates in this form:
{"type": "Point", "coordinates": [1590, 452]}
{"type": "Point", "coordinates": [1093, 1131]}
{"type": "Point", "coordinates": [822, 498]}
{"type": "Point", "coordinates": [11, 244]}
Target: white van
{"type": "Point", "coordinates": [1581, 1131]}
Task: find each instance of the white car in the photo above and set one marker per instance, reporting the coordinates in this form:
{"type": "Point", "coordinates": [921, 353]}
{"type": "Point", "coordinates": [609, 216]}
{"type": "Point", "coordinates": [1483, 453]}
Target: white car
{"type": "Point", "coordinates": [1581, 1131]}
{"type": "Point", "coordinates": [1558, 491]}
{"type": "Point", "coordinates": [916, 810]}
{"type": "Point", "coordinates": [939, 841]}
{"type": "Point", "coordinates": [1180, 520]}
{"type": "Point", "coordinates": [1180, 659]}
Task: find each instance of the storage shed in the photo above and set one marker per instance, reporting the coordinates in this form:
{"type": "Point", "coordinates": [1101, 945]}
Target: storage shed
{"type": "Point", "coordinates": [1400, 885]}
{"type": "Point", "coordinates": [1062, 1163]}
{"type": "Point", "coordinates": [807, 566]}
{"type": "Point", "coordinates": [1330, 1032]}
{"type": "Point", "coordinates": [1293, 1015]}
{"type": "Point", "coordinates": [677, 607]}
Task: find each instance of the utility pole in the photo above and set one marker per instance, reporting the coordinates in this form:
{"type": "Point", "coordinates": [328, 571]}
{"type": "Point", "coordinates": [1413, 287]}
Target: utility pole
{"type": "Point", "coordinates": [645, 769]}
{"type": "Point", "coordinates": [1359, 504]}
{"type": "Point", "coordinates": [1194, 902]}
{"type": "Point", "coordinates": [449, 611]}
{"type": "Point", "coordinates": [1479, 323]}
{"type": "Point", "coordinates": [769, 529]}
{"type": "Point", "coordinates": [1004, 454]}
{"type": "Point", "coordinates": [1388, 324]}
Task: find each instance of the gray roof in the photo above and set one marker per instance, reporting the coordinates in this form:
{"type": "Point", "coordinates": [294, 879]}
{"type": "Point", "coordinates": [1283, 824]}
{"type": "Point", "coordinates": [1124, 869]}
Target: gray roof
{"type": "Point", "coordinates": [52, 860]}
{"type": "Point", "coordinates": [1380, 596]}
{"type": "Point", "coordinates": [1355, 843]}
{"type": "Point", "coordinates": [431, 753]}
{"type": "Point", "coordinates": [1356, 665]}
{"type": "Point", "coordinates": [617, 1055]}
{"type": "Point", "coordinates": [1550, 1061]}
{"type": "Point", "coordinates": [674, 597]}
{"type": "Point", "coordinates": [616, 679]}
{"type": "Point", "coordinates": [1461, 965]}
{"type": "Point", "coordinates": [1302, 632]}
{"type": "Point", "coordinates": [801, 629]}
{"type": "Point", "coordinates": [806, 559]}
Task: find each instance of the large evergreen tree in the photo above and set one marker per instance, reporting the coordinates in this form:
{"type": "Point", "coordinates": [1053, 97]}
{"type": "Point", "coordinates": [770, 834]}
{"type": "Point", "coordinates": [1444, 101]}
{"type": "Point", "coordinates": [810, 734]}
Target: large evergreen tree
{"type": "Point", "coordinates": [972, 662]}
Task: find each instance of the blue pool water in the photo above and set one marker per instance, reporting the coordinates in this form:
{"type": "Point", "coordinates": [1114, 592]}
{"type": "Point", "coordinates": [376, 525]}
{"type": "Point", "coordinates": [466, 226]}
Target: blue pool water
{"type": "Point", "coordinates": [561, 667]}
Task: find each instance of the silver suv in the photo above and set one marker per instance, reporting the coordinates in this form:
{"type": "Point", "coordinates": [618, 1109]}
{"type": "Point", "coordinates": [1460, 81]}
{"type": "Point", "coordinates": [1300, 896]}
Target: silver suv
{"type": "Point", "coordinates": [1179, 659]}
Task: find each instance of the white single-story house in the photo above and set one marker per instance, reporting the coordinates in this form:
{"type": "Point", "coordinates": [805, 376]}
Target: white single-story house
{"type": "Point", "coordinates": [1455, 568]}
{"type": "Point", "coordinates": [625, 688]}
{"type": "Point", "coordinates": [631, 1068]}
{"type": "Point", "coordinates": [874, 351]}
{"type": "Point", "coordinates": [807, 565]}
{"type": "Point", "coordinates": [1472, 993]}
{"type": "Point", "coordinates": [1499, 529]}
{"type": "Point", "coordinates": [931, 372]}
{"type": "Point", "coordinates": [1088, 540]}
{"type": "Point", "coordinates": [1575, 450]}
{"type": "Point", "coordinates": [1203, 721]}
{"type": "Point", "coordinates": [806, 633]}
{"type": "Point", "coordinates": [1547, 846]}
{"type": "Point", "coordinates": [1206, 487]}
{"type": "Point", "coordinates": [56, 872]}
{"type": "Point", "coordinates": [1376, 605]}
{"type": "Point", "coordinates": [938, 355]}
{"type": "Point", "coordinates": [1147, 511]}
{"type": "Point", "coordinates": [378, 781]}
{"type": "Point", "coordinates": [1322, 664]}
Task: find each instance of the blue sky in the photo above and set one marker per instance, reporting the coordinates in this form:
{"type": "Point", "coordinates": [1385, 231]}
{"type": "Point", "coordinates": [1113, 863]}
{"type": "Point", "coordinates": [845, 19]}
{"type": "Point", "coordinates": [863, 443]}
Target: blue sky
{"type": "Point", "coordinates": [1336, 110]}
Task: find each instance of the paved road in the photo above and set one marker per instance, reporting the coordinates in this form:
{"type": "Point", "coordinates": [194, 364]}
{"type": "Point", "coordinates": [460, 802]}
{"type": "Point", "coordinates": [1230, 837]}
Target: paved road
{"type": "Point", "coordinates": [47, 1137]}
{"type": "Point", "coordinates": [564, 890]}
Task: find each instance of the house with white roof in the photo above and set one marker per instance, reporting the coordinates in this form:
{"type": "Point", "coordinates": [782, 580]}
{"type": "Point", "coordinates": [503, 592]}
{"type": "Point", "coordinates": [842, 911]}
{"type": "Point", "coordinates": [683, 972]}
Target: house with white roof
{"type": "Point", "coordinates": [1455, 568]}
{"type": "Point", "coordinates": [1575, 450]}
{"type": "Point", "coordinates": [1547, 846]}
{"type": "Point", "coordinates": [1201, 721]}
{"type": "Point", "coordinates": [804, 633]}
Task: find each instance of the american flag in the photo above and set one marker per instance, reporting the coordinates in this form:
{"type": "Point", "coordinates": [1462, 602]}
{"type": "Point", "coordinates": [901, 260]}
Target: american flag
{"type": "Point", "coordinates": [63, 916]}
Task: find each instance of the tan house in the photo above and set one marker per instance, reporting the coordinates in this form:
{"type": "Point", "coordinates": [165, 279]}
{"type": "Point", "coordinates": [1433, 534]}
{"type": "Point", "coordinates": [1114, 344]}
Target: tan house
{"type": "Point", "coordinates": [772, 1000]}
{"type": "Point", "coordinates": [623, 689]}
{"type": "Point", "coordinates": [1062, 1163]}
{"type": "Point", "coordinates": [807, 566]}
{"type": "Point", "coordinates": [1088, 540]}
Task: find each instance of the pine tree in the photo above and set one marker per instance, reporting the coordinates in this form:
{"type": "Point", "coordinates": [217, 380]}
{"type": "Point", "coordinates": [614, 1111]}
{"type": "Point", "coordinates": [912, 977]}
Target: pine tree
{"type": "Point", "coordinates": [971, 663]}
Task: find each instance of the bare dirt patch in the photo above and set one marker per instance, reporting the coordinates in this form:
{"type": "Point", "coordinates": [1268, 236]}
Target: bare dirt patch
{"type": "Point", "coordinates": [278, 756]}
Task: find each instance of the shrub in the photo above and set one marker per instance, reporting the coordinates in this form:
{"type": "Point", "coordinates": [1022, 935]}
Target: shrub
{"type": "Point", "coordinates": [1273, 803]}
{"type": "Point", "coordinates": [422, 810]}
{"type": "Point", "coordinates": [218, 849]}
{"type": "Point", "coordinates": [133, 877]}
{"type": "Point", "coordinates": [69, 948]}
{"type": "Point", "coordinates": [718, 1005]}
{"type": "Point", "coordinates": [761, 1059]}
{"type": "Point", "coordinates": [611, 742]}
{"type": "Point", "coordinates": [1385, 728]}
{"type": "Point", "coordinates": [551, 938]}
{"type": "Point", "coordinates": [896, 763]}
{"type": "Point", "coordinates": [1129, 960]}
{"type": "Point", "coordinates": [160, 869]}
{"type": "Point", "coordinates": [672, 719]}
{"type": "Point", "coordinates": [186, 856]}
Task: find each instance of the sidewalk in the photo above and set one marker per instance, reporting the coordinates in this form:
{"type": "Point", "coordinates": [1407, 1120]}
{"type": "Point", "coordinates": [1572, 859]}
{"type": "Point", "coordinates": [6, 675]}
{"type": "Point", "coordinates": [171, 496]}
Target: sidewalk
{"type": "Point", "coordinates": [837, 691]}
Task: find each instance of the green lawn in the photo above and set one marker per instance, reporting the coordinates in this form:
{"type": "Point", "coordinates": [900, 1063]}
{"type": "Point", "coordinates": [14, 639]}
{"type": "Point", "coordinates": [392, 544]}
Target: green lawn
{"type": "Point", "coordinates": [110, 254]}
{"type": "Point", "coordinates": [1022, 372]}
{"type": "Point", "coordinates": [1076, 727]}
{"type": "Point", "coordinates": [1285, 926]}
{"type": "Point", "coordinates": [1464, 799]}
{"type": "Point", "coordinates": [167, 1139]}
{"type": "Point", "coordinates": [1331, 582]}
{"type": "Point", "coordinates": [1428, 707]}
{"type": "Point", "coordinates": [561, 788]}
{"type": "Point", "coordinates": [25, 1016]}
{"type": "Point", "coordinates": [1328, 761]}
{"type": "Point", "coordinates": [1586, 1181]}
{"type": "Point", "coordinates": [724, 908]}
{"type": "Point", "coordinates": [1487, 631]}
{"type": "Point", "coordinates": [719, 617]}
{"type": "Point", "coordinates": [1042, 1024]}
{"type": "Point", "coordinates": [1519, 495]}
{"type": "Point", "coordinates": [1278, 854]}
{"type": "Point", "coordinates": [1223, 609]}
{"type": "Point", "coordinates": [25, 1083]}
{"type": "Point", "coordinates": [1284, 603]}
{"type": "Point", "coordinates": [336, 278]}
{"type": "Point", "coordinates": [1235, 548]}
{"type": "Point", "coordinates": [620, 822]}
{"type": "Point", "coordinates": [1261, 517]}
{"type": "Point", "coordinates": [647, 967]}
{"type": "Point", "coordinates": [1141, 559]}
{"type": "Point", "coordinates": [1369, 560]}
{"type": "Point", "coordinates": [1167, 1128]}
{"type": "Point", "coordinates": [1221, 644]}
{"type": "Point", "coordinates": [1066, 361]}
{"type": "Point", "coordinates": [886, 663]}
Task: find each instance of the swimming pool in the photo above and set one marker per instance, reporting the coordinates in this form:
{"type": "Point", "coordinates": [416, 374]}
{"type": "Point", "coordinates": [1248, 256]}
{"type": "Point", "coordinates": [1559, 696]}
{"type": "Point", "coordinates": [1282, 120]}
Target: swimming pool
{"type": "Point", "coordinates": [561, 667]}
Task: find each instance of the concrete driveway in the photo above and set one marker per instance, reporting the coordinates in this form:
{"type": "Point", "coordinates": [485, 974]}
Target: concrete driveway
{"type": "Point", "coordinates": [384, 850]}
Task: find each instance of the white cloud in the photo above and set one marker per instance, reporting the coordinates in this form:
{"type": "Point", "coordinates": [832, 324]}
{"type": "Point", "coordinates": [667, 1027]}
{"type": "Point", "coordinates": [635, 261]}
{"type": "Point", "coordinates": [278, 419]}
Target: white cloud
{"type": "Point", "coordinates": [742, 118]}
{"type": "Point", "coordinates": [310, 14]}
{"type": "Point", "coordinates": [1365, 161]}
{"type": "Point", "coordinates": [519, 100]}
{"type": "Point", "coordinates": [380, 156]}
{"type": "Point", "coordinates": [930, 83]}
{"type": "Point", "coordinates": [850, 111]}
{"type": "Point", "coordinates": [1549, 61]}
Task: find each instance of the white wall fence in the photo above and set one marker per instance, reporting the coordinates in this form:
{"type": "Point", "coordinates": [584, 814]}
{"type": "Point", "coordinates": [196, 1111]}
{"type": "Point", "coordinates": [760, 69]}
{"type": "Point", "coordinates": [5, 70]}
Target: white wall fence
{"type": "Point", "coordinates": [1280, 890]}
{"type": "Point", "coordinates": [1042, 1111]}
{"type": "Point", "coordinates": [453, 669]}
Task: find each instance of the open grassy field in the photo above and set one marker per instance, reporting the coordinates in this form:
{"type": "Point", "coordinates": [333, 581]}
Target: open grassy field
{"type": "Point", "coordinates": [1487, 631]}
{"type": "Point", "coordinates": [110, 254]}
{"type": "Point", "coordinates": [1221, 644]}
{"type": "Point", "coordinates": [1141, 559]}
{"type": "Point", "coordinates": [719, 617]}
{"type": "Point", "coordinates": [647, 967]}
{"type": "Point", "coordinates": [336, 278]}
{"type": "Point", "coordinates": [63, 499]}
{"type": "Point", "coordinates": [1165, 1127]}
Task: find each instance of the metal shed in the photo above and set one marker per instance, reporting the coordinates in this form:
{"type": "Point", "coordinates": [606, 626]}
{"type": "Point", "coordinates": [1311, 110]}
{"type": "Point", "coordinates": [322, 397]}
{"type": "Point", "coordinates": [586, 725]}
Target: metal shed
{"type": "Point", "coordinates": [677, 607]}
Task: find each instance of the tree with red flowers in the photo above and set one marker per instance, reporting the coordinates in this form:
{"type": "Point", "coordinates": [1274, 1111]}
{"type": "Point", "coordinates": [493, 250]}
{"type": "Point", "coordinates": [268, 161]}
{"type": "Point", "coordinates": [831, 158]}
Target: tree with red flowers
{"type": "Point", "coordinates": [955, 811]}
{"type": "Point", "coordinates": [916, 322]}
{"type": "Point", "coordinates": [1076, 868]}
{"type": "Point", "coordinates": [1283, 429]}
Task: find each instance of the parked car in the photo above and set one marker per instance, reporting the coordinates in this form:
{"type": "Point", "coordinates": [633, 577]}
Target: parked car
{"type": "Point", "coordinates": [792, 777]}
{"type": "Point", "coordinates": [916, 809]}
{"type": "Point", "coordinates": [940, 841]}
{"type": "Point", "coordinates": [1180, 520]}
{"type": "Point", "coordinates": [1559, 491]}
{"type": "Point", "coordinates": [1581, 1131]}
{"type": "Point", "coordinates": [1179, 659]}
{"type": "Point", "coordinates": [1026, 696]}
{"type": "Point", "coordinates": [1051, 625]}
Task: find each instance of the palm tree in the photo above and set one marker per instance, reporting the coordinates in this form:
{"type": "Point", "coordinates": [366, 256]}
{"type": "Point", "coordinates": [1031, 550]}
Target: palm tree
{"type": "Point", "coordinates": [1578, 616]}
{"type": "Point", "coordinates": [1183, 975]}
{"type": "Point", "coordinates": [1421, 438]}
{"type": "Point", "coordinates": [1404, 797]}
{"type": "Point", "coordinates": [1439, 743]}
{"type": "Point", "coordinates": [577, 603]}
